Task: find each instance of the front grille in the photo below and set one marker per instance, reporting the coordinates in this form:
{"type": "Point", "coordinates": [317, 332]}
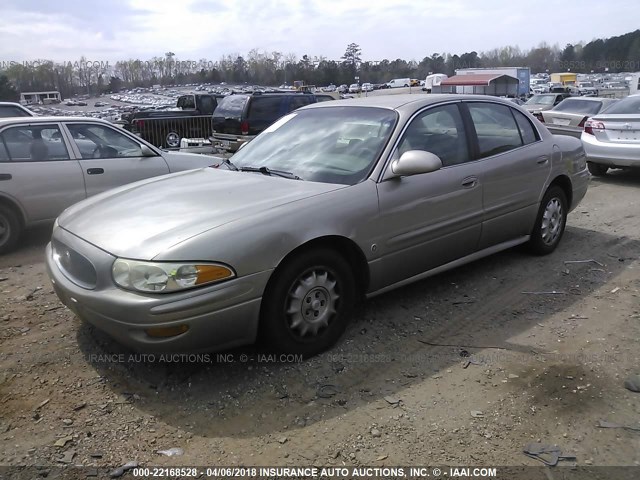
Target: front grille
{"type": "Point", "coordinates": [75, 266]}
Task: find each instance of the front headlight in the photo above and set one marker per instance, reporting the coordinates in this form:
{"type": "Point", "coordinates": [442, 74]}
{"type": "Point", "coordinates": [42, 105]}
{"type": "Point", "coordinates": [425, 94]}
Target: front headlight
{"type": "Point", "coordinates": [160, 277]}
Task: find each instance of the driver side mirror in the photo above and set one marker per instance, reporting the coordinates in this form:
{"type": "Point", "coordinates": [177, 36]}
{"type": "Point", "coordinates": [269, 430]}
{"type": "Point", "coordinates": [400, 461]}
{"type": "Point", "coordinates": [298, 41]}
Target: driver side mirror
{"type": "Point", "coordinates": [415, 162]}
{"type": "Point", "coordinates": [146, 151]}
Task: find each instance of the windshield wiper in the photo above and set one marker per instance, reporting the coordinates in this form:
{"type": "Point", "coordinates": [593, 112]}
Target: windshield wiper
{"type": "Point", "coordinates": [228, 163]}
{"type": "Point", "coordinates": [270, 172]}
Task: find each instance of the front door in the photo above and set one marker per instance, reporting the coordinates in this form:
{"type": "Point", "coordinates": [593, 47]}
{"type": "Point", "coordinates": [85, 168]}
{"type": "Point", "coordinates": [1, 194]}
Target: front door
{"type": "Point", "coordinates": [110, 158]}
{"type": "Point", "coordinates": [433, 218]}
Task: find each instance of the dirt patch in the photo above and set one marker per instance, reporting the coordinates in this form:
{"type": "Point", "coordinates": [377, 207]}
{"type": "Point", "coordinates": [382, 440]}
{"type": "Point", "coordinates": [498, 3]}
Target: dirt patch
{"type": "Point", "coordinates": [462, 368]}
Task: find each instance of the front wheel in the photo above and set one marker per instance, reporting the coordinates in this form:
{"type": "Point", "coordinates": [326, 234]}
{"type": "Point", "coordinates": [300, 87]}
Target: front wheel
{"type": "Point", "coordinates": [10, 229]}
{"type": "Point", "coordinates": [550, 222]}
{"type": "Point", "coordinates": [306, 306]}
{"type": "Point", "coordinates": [597, 169]}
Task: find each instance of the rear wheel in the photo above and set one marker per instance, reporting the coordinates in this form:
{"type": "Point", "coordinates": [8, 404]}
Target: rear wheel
{"type": "Point", "coordinates": [597, 169]}
{"type": "Point", "coordinates": [10, 229]}
{"type": "Point", "coordinates": [307, 304]}
{"type": "Point", "coordinates": [550, 223]}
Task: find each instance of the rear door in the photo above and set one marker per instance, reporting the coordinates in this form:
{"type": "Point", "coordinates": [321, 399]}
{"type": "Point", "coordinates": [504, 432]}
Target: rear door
{"type": "Point", "coordinates": [38, 171]}
{"type": "Point", "coordinates": [516, 164]}
{"type": "Point", "coordinates": [109, 158]}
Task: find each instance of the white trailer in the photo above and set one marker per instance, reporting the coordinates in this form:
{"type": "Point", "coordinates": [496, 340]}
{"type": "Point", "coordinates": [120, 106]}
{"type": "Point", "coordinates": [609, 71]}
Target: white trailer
{"type": "Point", "coordinates": [433, 80]}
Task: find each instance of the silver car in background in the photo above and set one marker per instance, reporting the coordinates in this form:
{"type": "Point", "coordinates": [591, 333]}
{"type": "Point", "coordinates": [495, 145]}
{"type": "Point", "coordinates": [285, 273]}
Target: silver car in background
{"type": "Point", "coordinates": [50, 163]}
{"type": "Point", "coordinates": [332, 202]}
{"type": "Point", "coordinates": [612, 138]}
{"type": "Point", "coordinates": [570, 115]}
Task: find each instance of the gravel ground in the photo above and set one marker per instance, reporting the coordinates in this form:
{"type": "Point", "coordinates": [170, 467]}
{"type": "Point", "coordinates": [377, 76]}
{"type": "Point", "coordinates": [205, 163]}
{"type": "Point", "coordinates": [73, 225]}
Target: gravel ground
{"type": "Point", "coordinates": [461, 369]}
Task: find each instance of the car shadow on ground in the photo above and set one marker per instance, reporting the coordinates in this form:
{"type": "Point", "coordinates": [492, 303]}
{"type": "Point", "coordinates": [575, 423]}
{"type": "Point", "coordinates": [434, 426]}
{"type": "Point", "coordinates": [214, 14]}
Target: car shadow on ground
{"type": "Point", "coordinates": [30, 250]}
{"type": "Point", "coordinates": [626, 177]}
{"type": "Point", "coordinates": [393, 342]}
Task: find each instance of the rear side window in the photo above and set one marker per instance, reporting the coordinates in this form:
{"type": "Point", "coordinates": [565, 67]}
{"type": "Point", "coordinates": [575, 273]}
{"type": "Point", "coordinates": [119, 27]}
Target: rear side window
{"type": "Point", "coordinates": [496, 128]}
{"type": "Point", "coordinates": [265, 109]}
{"type": "Point", "coordinates": [39, 143]}
{"type": "Point", "coordinates": [528, 132]}
{"type": "Point", "coordinates": [297, 102]}
{"type": "Point", "coordinates": [11, 111]}
{"type": "Point", "coordinates": [231, 106]}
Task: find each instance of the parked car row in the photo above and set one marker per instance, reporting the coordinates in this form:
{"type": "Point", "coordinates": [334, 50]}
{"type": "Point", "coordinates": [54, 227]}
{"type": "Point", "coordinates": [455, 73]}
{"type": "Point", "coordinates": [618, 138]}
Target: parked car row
{"type": "Point", "coordinates": [239, 118]}
{"type": "Point", "coordinates": [50, 163]}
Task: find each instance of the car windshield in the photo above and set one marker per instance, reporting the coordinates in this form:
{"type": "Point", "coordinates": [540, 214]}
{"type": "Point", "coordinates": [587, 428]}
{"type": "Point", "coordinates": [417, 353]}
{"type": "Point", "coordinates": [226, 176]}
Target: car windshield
{"type": "Point", "coordinates": [329, 145]}
{"type": "Point", "coordinates": [541, 100]}
{"type": "Point", "coordinates": [588, 107]}
{"type": "Point", "coordinates": [626, 106]}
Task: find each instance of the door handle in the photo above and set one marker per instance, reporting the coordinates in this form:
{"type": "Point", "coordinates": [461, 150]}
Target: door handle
{"type": "Point", "coordinates": [5, 176]}
{"type": "Point", "coordinates": [470, 182]}
{"type": "Point", "coordinates": [95, 171]}
{"type": "Point", "coordinates": [543, 159]}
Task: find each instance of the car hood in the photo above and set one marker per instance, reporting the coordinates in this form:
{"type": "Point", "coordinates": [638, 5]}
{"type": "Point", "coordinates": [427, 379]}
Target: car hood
{"type": "Point", "coordinates": [143, 219]}
{"type": "Point", "coordinates": [178, 161]}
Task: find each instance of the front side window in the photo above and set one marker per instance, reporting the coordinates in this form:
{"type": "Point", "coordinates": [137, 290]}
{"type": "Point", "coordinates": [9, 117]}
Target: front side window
{"type": "Point", "coordinates": [330, 145]}
{"type": "Point", "coordinates": [439, 130]}
{"type": "Point", "coordinates": [36, 143]}
{"type": "Point", "coordinates": [496, 128]}
{"type": "Point", "coordinates": [99, 141]}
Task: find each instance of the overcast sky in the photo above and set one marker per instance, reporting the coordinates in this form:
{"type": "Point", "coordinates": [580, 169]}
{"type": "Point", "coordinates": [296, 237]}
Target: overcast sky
{"type": "Point", "coordinates": [109, 30]}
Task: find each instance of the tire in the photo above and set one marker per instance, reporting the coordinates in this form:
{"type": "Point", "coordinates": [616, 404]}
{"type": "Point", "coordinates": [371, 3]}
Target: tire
{"type": "Point", "coordinates": [319, 279]}
{"type": "Point", "coordinates": [597, 169]}
{"type": "Point", "coordinates": [171, 139]}
{"type": "Point", "coordinates": [550, 222]}
{"type": "Point", "coordinates": [10, 229]}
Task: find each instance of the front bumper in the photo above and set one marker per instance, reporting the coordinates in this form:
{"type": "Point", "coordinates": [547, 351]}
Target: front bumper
{"type": "Point", "coordinates": [218, 317]}
{"type": "Point", "coordinates": [610, 153]}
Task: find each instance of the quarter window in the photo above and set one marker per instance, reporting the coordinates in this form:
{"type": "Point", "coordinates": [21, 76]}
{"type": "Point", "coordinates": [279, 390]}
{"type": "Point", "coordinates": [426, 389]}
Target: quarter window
{"type": "Point", "coordinates": [439, 130]}
{"type": "Point", "coordinates": [4, 155]}
{"type": "Point", "coordinates": [529, 134]}
{"type": "Point", "coordinates": [98, 141]}
{"type": "Point", "coordinates": [496, 128]}
{"type": "Point", "coordinates": [37, 143]}
{"type": "Point", "coordinates": [297, 102]}
{"type": "Point", "coordinates": [265, 109]}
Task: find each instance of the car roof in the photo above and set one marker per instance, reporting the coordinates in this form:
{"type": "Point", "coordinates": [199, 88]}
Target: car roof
{"type": "Point", "coordinates": [13, 120]}
{"type": "Point", "coordinates": [407, 101]}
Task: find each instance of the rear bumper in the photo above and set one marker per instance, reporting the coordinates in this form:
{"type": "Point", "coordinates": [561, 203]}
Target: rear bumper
{"type": "Point", "coordinates": [229, 141]}
{"type": "Point", "coordinates": [611, 154]}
